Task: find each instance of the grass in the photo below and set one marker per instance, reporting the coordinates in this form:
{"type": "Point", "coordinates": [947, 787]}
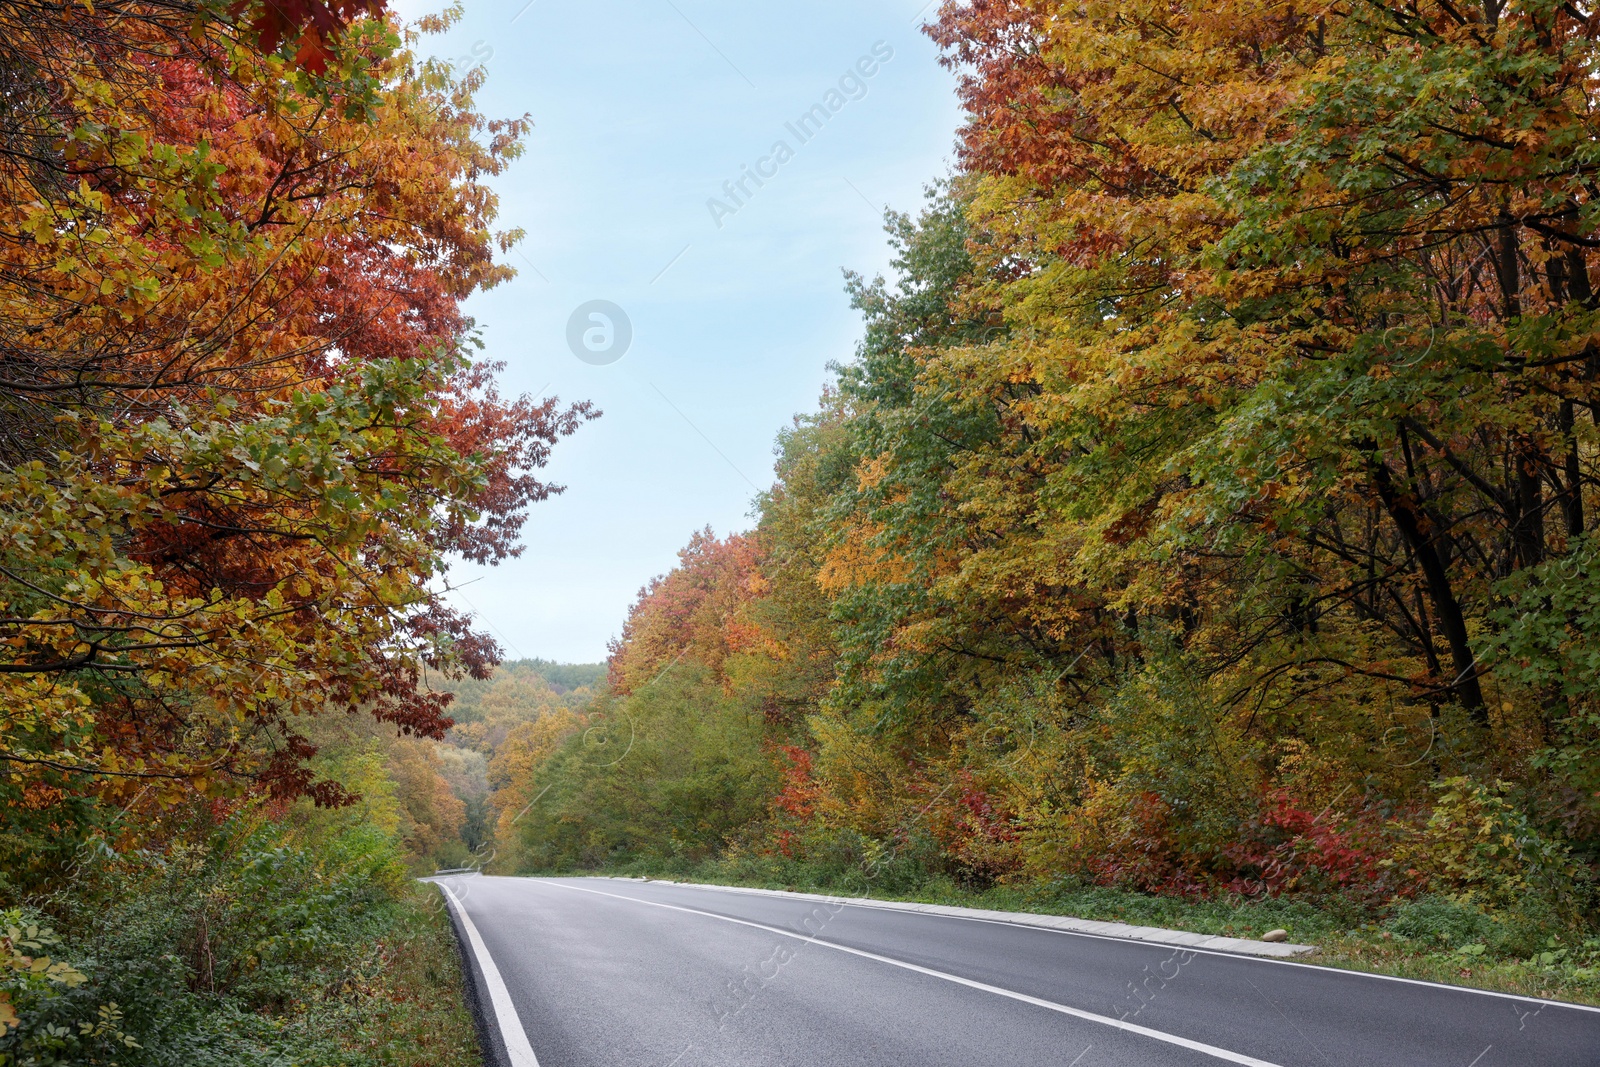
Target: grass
{"type": "Point", "coordinates": [410, 1009]}
{"type": "Point", "coordinates": [1432, 939]}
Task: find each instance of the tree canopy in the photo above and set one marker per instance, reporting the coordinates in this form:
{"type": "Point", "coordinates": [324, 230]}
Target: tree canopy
{"type": "Point", "coordinates": [244, 423]}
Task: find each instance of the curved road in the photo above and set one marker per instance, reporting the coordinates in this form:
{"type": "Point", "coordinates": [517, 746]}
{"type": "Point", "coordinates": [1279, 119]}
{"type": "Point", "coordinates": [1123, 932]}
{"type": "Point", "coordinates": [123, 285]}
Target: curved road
{"type": "Point", "coordinates": [608, 973]}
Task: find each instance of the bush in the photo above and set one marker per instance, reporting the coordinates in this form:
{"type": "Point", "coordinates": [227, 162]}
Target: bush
{"type": "Point", "coordinates": [1440, 921]}
{"type": "Point", "coordinates": [672, 771]}
{"type": "Point", "coordinates": [64, 1024]}
{"type": "Point", "coordinates": [1482, 848]}
{"type": "Point", "coordinates": [294, 941]}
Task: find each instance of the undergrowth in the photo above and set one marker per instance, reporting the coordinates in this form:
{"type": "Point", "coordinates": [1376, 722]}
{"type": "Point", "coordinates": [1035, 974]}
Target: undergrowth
{"type": "Point", "coordinates": [298, 941]}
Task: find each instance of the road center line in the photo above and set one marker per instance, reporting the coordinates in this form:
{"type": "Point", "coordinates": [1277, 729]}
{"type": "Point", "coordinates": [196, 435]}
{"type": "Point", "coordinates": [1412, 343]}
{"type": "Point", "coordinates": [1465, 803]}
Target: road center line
{"type": "Point", "coordinates": [1077, 1013]}
{"type": "Point", "coordinates": [505, 1012]}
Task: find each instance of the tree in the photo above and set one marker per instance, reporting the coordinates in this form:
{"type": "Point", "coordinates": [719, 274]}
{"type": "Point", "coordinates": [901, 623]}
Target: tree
{"type": "Point", "coordinates": [243, 428]}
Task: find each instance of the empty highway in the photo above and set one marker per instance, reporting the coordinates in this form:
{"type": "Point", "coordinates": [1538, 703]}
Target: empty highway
{"type": "Point", "coordinates": [589, 972]}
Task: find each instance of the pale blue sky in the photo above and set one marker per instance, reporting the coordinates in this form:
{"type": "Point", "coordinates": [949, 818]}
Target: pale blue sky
{"type": "Point", "coordinates": [642, 110]}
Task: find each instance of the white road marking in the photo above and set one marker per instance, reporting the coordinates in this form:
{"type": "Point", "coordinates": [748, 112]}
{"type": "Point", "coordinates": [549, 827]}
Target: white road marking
{"type": "Point", "coordinates": [1327, 969]}
{"type": "Point", "coordinates": [1077, 1013]}
{"type": "Point", "coordinates": [505, 1012]}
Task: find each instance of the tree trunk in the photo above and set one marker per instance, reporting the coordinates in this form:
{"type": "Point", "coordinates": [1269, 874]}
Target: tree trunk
{"type": "Point", "coordinates": [1572, 498]}
{"type": "Point", "coordinates": [1528, 533]}
{"type": "Point", "coordinates": [1446, 609]}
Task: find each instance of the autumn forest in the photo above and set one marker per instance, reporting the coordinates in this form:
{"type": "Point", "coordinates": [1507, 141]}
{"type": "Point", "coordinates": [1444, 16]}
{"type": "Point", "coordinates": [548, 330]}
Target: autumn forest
{"type": "Point", "coordinates": [1205, 531]}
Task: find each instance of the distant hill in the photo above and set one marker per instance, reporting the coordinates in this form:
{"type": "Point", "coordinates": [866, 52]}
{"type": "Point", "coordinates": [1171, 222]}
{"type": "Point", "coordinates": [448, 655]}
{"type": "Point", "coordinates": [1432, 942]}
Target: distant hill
{"type": "Point", "coordinates": [518, 691]}
{"type": "Point", "coordinates": [562, 675]}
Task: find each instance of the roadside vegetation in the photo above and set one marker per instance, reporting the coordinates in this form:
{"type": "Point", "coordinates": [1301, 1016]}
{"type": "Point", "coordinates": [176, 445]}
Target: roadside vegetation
{"type": "Point", "coordinates": [245, 428]}
{"type": "Point", "coordinates": [256, 935]}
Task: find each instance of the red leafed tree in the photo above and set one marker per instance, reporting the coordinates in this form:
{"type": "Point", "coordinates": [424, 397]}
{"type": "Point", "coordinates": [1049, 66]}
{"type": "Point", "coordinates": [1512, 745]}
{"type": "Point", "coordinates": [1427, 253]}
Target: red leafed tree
{"type": "Point", "coordinates": [312, 27]}
{"type": "Point", "coordinates": [243, 425]}
{"type": "Point", "coordinates": [687, 613]}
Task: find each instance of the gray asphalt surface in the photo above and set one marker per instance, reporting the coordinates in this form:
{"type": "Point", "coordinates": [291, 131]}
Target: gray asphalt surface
{"type": "Point", "coordinates": [610, 973]}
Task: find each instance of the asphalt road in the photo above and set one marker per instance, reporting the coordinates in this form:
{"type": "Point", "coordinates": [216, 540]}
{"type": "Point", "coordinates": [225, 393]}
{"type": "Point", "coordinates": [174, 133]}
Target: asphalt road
{"type": "Point", "coordinates": [603, 973]}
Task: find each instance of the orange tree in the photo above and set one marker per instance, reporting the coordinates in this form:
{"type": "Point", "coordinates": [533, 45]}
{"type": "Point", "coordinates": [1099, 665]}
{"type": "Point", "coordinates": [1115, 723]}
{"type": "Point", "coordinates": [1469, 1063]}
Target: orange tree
{"type": "Point", "coordinates": [242, 425]}
{"type": "Point", "coordinates": [1211, 504]}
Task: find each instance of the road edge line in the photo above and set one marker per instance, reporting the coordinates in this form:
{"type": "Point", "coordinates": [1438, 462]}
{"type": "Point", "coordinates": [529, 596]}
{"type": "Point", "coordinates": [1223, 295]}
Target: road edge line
{"type": "Point", "coordinates": [1214, 1051]}
{"type": "Point", "coordinates": [1030, 921]}
{"type": "Point", "coordinates": [512, 1034]}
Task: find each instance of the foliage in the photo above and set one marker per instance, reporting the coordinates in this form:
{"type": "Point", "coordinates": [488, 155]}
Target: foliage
{"type": "Point", "coordinates": [518, 691]}
{"type": "Point", "coordinates": [432, 814]}
{"type": "Point", "coordinates": [672, 769]}
{"type": "Point", "coordinates": [243, 427]}
{"type": "Point", "coordinates": [34, 983]}
{"type": "Point", "coordinates": [1483, 849]}
{"type": "Point", "coordinates": [253, 938]}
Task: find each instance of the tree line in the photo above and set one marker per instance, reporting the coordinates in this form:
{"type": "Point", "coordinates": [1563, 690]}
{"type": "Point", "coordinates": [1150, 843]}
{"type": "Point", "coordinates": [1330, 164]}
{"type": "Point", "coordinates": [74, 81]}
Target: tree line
{"type": "Point", "coordinates": [1208, 510]}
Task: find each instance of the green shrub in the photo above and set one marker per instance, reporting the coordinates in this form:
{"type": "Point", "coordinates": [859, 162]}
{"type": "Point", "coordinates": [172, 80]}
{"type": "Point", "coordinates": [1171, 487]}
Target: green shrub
{"type": "Point", "coordinates": [671, 772]}
{"type": "Point", "coordinates": [1440, 921]}
{"type": "Point", "coordinates": [289, 942]}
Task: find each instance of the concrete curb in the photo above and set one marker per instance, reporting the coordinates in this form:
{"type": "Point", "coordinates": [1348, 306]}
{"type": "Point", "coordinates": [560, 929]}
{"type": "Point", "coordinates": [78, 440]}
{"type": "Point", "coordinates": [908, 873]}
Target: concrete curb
{"type": "Point", "coordinates": [1238, 945]}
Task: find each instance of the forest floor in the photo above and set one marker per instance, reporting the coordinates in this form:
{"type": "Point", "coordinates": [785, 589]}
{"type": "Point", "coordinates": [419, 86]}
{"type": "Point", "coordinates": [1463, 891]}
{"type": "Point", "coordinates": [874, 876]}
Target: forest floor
{"type": "Point", "coordinates": [1431, 939]}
